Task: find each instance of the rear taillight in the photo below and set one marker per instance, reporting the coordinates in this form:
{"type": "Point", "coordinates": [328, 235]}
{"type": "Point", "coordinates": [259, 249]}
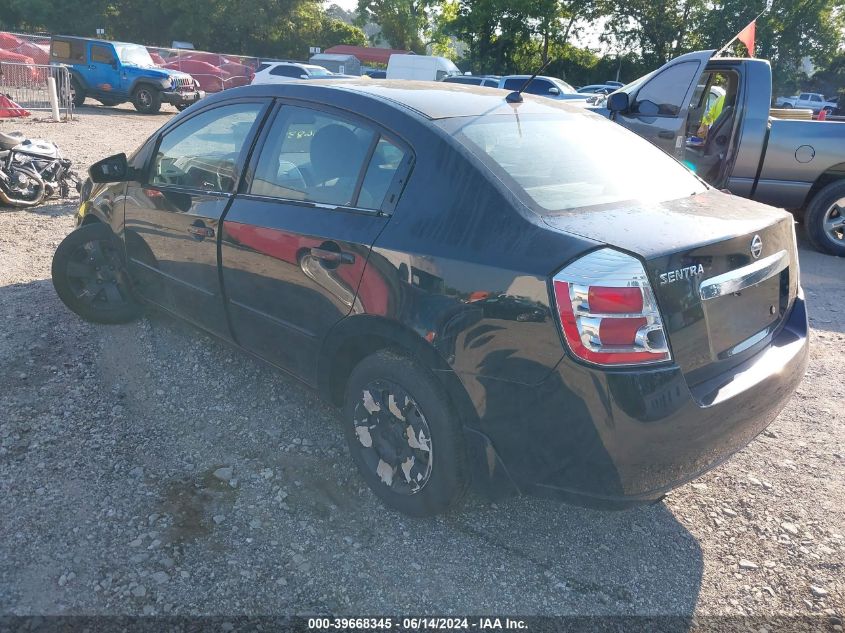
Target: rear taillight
{"type": "Point", "coordinates": [607, 310]}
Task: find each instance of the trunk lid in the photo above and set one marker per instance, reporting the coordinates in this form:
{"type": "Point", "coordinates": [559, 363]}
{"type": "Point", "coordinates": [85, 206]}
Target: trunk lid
{"type": "Point", "coordinates": [719, 302]}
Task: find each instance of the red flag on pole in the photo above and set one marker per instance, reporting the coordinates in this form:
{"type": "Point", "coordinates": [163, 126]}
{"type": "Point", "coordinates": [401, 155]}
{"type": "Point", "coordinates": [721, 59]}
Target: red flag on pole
{"type": "Point", "coordinates": [746, 36]}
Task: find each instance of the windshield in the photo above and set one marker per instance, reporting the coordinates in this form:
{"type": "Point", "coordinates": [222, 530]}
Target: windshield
{"type": "Point", "coordinates": [565, 88]}
{"type": "Point", "coordinates": [134, 54]}
{"type": "Point", "coordinates": [570, 161]}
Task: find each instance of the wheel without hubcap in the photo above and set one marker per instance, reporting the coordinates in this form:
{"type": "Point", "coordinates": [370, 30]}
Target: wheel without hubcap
{"type": "Point", "coordinates": [147, 100]}
{"type": "Point", "coordinates": [825, 219]}
{"type": "Point", "coordinates": [89, 276]}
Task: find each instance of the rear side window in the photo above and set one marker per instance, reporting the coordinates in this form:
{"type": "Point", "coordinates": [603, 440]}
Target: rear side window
{"type": "Point", "coordinates": [576, 169]}
{"type": "Point", "coordinates": [202, 153]}
{"type": "Point", "coordinates": [664, 93]}
{"type": "Point", "coordinates": [68, 49]}
{"type": "Point", "coordinates": [262, 67]}
{"type": "Point", "coordinates": [380, 173]}
{"type": "Point", "coordinates": [319, 157]}
{"type": "Point", "coordinates": [101, 54]}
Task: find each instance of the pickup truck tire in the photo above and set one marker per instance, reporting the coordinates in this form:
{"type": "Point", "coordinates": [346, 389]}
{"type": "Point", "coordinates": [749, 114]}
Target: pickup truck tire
{"type": "Point", "coordinates": [89, 275]}
{"type": "Point", "coordinates": [825, 219]}
{"type": "Point", "coordinates": [182, 106]}
{"type": "Point", "coordinates": [146, 99]}
{"type": "Point", "coordinates": [77, 92]}
{"type": "Point", "coordinates": [404, 435]}
{"type": "Point", "coordinates": [786, 106]}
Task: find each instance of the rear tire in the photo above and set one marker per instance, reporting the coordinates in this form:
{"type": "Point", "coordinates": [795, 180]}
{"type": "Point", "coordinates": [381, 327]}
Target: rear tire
{"type": "Point", "coordinates": [404, 435]}
{"type": "Point", "coordinates": [182, 106]}
{"type": "Point", "coordinates": [89, 275]}
{"type": "Point", "coordinates": [146, 99]}
{"type": "Point", "coordinates": [77, 92]}
{"type": "Point", "coordinates": [825, 219]}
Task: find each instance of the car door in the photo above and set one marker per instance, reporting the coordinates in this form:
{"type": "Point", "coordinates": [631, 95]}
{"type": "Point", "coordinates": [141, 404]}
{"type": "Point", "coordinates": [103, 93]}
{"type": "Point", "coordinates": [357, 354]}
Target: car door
{"type": "Point", "coordinates": [173, 210]}
{"type": "Point", "coordinates": [103, 68]}
{"type": "Point", "coordinates": [659, 102]}
{"type": "Point", "coordinates": [296, 240]}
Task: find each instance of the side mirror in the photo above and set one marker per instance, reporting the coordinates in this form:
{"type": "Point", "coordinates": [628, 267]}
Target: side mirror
{"type": "Point", "coordinates": [112, 169]}
{"type": "Point", "coordinates": [617, 101]}
{"type": "Point", "coordinates": [554, 91]}
{"type": "Point", "coordinates": [114, 64]}
{"type": "Point", "coordinates": [303, 76]}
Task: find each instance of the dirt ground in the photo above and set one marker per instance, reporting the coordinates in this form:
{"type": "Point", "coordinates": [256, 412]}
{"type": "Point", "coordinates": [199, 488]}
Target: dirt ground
{"type": "Point", "coordinates": [110, 438]}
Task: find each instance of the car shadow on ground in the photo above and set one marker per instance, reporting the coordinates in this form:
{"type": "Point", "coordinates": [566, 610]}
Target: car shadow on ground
{"type": "Point", "coordinates": [92, 108]}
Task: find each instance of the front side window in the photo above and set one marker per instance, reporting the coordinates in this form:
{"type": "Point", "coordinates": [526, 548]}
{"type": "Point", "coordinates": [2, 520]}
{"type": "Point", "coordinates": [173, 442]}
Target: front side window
{"type": "Point", "coordinates": [663, 94]}
{"type": "Point", "coordinates": [576, 169]}
{"type": "Point", "coordinates": [101, 54]}
{"type": "Point", "coordinates": [319, 157]}
{"type": "Point", "coordinates": [202, 153]}
{"type": "Point", "coordinates": [804, 96]}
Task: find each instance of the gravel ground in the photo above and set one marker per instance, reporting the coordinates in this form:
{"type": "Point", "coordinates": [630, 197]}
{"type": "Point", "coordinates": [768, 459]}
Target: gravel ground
{"type": "Point", "coordinates": [148, 468]}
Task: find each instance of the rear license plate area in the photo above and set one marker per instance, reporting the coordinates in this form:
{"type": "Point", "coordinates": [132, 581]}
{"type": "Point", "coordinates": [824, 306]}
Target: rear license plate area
{"type": "Point", "coordinates": [737, 321]}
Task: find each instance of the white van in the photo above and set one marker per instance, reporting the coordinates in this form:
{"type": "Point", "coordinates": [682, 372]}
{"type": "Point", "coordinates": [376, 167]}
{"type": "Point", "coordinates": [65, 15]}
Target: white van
{"type": "Point", "coordinates": [423, 67]}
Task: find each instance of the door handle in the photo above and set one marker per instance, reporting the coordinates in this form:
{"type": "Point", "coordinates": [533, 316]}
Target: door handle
{"type": "Point", "coordinates": [332, 257]}
{"type": "Point", "coordinates": [201, 232]}
{"type": "Point", "coordinates": [666, 134]}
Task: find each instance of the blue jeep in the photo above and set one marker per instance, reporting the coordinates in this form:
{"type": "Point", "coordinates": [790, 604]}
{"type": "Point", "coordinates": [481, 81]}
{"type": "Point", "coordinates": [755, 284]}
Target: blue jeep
{"type": "Point", "coordinates": [116, 72]}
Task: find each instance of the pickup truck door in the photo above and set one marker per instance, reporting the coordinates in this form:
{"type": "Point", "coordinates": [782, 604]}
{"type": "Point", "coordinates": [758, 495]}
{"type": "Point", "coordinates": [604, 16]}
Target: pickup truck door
{"type": "Point", "coordinates": [658, 103]}
{"type": "Point", "coordinates": [174, 210]}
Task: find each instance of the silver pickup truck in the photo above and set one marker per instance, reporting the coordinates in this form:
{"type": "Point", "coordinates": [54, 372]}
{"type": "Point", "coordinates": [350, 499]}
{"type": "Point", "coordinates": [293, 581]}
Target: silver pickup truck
{"type": "Point", "coordinates": [798, 165]}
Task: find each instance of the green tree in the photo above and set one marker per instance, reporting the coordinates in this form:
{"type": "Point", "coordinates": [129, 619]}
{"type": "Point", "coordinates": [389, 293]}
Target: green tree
{"type": "Point", "coordinates": [402, 22]}
{"type": "Point", "coordinates": [791, 31]}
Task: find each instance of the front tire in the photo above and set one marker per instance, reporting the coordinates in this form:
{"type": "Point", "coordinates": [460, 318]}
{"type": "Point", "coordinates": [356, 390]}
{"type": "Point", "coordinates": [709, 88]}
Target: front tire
{"type": "Point", "coordinates": [89, 275]}
{"type": "Point", "coordinates": [146, 99]}
{"type": "Point", "coordinates": [404, 435]}
{"type": "Point", "coordinates": [182, 106]}
{"type": "Point", "coordinates": [825, 219]}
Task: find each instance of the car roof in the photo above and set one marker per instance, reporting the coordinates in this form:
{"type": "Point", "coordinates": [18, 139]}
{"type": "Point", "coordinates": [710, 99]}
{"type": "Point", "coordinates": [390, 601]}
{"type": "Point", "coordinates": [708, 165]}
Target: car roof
{"type": "Point", "coordinates": [430, 99]}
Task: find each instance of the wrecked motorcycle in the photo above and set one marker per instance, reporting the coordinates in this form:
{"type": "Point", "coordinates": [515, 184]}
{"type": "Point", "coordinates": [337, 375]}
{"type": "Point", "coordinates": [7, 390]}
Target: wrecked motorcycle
{"type": "Point", "coordinates": [32, 170]}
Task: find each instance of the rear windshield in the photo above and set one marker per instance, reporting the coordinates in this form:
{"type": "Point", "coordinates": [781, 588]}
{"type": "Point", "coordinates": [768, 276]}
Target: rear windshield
{"type": "Point", "coordinates": [570, 161]}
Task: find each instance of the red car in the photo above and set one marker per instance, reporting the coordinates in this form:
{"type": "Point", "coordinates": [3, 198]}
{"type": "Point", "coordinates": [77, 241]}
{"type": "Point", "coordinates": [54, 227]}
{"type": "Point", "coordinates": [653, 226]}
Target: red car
{"type": "Point", "coordinates": [16, 74]}
{"type": "Point", "coordinates": [210, 78]}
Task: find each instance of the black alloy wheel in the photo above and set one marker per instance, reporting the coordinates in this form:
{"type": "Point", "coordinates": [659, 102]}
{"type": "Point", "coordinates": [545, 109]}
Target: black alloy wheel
{"type": "Point", "coordinates": [90, 277]}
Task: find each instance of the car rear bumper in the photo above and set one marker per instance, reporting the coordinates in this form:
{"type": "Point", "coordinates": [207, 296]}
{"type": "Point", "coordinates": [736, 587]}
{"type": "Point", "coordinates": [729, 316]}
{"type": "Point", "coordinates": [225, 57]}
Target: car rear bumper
{"type": "Point", "coordinates": [182, 98]}
{"type": "Point", "coordinates": [619, 437]}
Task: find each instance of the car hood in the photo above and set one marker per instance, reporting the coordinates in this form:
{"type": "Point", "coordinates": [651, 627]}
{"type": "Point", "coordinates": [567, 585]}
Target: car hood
{"type": "Point", "coordinates": [155, 72]}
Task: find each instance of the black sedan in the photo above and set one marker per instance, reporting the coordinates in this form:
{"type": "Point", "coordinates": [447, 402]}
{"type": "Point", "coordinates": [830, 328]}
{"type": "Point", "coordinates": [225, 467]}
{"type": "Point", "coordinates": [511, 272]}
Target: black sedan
{"type": "Point", "coordinates": [513, 291]}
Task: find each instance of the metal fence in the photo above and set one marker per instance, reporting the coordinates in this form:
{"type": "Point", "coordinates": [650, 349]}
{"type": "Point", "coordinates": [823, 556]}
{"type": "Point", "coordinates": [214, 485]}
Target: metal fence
{"type": "Point", "coordinates": [27, 85]}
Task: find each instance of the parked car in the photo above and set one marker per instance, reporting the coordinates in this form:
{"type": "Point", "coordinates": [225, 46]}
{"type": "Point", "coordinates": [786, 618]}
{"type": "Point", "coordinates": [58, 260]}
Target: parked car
{"type": "Point", "coordinates": [23, 74]}
{"type": "Point", "coordinates": [420, 67]}
{"type": "Point", "coordinates": [280, 72]}
{"type": "Point", "coordinates": [116, 72]}
{"type": "Point", "coordinates": [489, 81]}
{"type": "Point", "coordinates": [210, 78]}
{"type": "Point", "coordinates": [807, 100]}
{"type": "Point", "coordinates": [796, 165]}
{"type": "Point", "coordinates": [376, 74]}
{"type": "Point", "coordinates": [596, 89]}
{"type": "Point", "coordinates": [549, 87]}
{"type": "Point", "coordinates": [358, 245]}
